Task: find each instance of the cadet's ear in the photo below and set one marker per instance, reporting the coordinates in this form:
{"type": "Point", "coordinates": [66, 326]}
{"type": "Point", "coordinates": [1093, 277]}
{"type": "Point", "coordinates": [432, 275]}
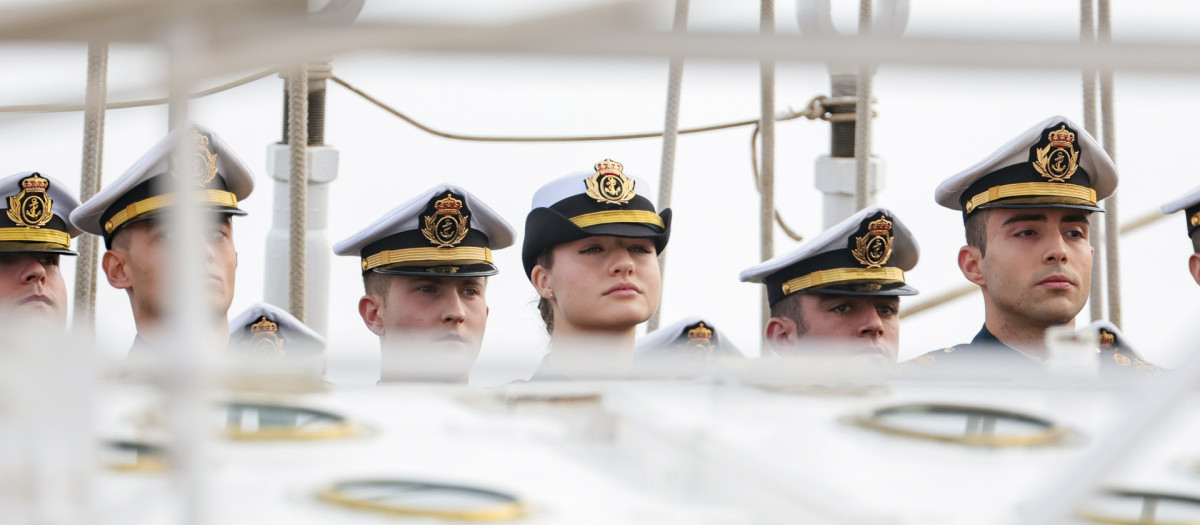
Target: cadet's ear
{"type": "Point", "coordinates": [1194, 266]}
{"type": "Point", "coordinates": [782, 333]}
{"type": "Point", "coordinates": [541, 282]}
{"type": "Point", "coordinates": [113, 263]}
{"type": "Point", "coordinates": [370, 307]}
{"type": "Point", "coordinates": [970, 262]}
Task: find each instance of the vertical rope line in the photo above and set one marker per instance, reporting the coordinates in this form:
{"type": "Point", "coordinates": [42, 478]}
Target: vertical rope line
{"type": "Point", "coordinates": [766, 180]}
{"type": "Point", "coordinates": [84, 319]}
{"type": "Point", "coordinates": [297, 188]}
{"type": "Point", "coordinates": [666, 180]}
{"type": "Point", "coordinates": [862, 115]}
{"type": "Point", "coordinates": [1087, 35]}
{"type": "Point", "coordinates": [1108, 123]}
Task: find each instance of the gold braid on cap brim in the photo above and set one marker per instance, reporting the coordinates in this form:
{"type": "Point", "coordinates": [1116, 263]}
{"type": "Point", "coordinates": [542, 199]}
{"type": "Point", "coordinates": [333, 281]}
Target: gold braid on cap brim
{"type": "Point", "coordinates": [885, 275]}
{"type": "Point", "coordinates": [615, 216]}
{"type": "Point", "coordinates": [158, 202]}
{"type": "Point", "coordinates": [1051, 192]}
{"type": "Point", "coordinates": [56, 237]}
{"type": "Point", "coordinates": [457, 255]}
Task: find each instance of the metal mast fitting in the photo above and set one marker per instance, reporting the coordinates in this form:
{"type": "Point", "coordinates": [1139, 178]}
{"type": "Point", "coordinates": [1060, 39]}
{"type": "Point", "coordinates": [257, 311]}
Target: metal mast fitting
{"type": "Point", "coordinates": [837, 173]}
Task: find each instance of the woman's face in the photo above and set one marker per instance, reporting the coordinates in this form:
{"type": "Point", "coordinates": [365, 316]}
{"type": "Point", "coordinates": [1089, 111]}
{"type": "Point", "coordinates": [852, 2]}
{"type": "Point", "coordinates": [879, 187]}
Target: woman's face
{"type": "Point", "coordinates": [602, 283]}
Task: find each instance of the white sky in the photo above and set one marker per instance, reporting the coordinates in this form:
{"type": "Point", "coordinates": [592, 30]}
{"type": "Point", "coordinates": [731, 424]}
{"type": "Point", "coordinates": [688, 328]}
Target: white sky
{"type": "Point", "coordinates": [932, 123]}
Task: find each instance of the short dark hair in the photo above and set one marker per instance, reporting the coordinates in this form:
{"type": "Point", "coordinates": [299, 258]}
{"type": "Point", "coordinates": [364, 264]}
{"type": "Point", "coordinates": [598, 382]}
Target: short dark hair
{"type": "Point", "coordinates": [375, 283]}
{"type": "Point", "coordinates": [546, 260]}
{"type": "Point", "coordinates": [378, 283]}
{"type": "Point", "coordinates": [1196, 242]}
{"type": "Point", "coordinates": [790, 308]}
{"type": "Point", "coordinates": [976, 226]}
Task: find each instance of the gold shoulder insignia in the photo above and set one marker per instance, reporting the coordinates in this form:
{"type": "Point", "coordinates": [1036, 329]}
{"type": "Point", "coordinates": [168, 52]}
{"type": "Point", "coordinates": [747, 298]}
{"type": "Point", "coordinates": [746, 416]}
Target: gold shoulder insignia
{"type": "Point", "coordinates": [1059, 159]}
{"type": "Point", "coordinates": [1121, 359]}
{"type": "Point", "coordinates": [610, 185]}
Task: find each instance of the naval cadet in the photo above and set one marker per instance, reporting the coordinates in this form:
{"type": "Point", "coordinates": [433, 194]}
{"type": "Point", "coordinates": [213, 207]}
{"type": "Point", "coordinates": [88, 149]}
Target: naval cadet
{"type": "Point", "coordinates": [1190, 205]}
{"type": "Point", "coordinates": [128, 215]}
{"type": "Point", "coordinates": [272, 339]}
{"type": "Point", "coordinates": [35, 230]}
{"type": "Point", "coordinates": [842, 289]}
{"type": "Point", "coordinates": [684, 348]}
{"type": "Point", "coordinates": [1027, 211]}
{"type": "Point", "coordinates": [265, 331]}
{"type": "Point", "coordinates": [591, 247]}
{"type": "Point", "coordinates": [425, 267]}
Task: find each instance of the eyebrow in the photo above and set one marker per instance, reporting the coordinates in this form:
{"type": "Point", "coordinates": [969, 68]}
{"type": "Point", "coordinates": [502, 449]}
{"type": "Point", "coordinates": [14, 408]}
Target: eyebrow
{"type": "Point", "coordinates": [1023, 217]}
{"type": "Point", "coordinates": [1079, 217]}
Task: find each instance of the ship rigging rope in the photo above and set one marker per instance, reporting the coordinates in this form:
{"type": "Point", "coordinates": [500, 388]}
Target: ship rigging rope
{"type": "Point", "coordinates": [670, 133]}
{"type": "Point", "coordinates": [1112, 247]}
{"type": "Point", "coordinates": [297, 90]}
{"type": "Point", "coordinates": [766, 180]}
{"type": "Point", "coordinates": [1087, 35]}
{"type": "Point", "coordinates": [862, 111]}
{"type": "Point", "coordinates": [84, 317]}
{"type": "Point", "coordinates": [814, 110]}
{"type": "Point", "coordinates": [60, 108]}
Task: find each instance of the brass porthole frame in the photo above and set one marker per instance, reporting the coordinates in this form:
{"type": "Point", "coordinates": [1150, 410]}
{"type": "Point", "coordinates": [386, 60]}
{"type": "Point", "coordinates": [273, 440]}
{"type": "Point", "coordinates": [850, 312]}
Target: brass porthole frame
{"type": "Point", "coordinates": [509, 509]}
{"type": "Point", "coordinates": [340, 428]}
{"type": "Point", "coordinates": [1097, 517]}
{"type": "Point", "coordinates": [144, 463]}
{"type": "Point", "coordinates": [1053, 433]}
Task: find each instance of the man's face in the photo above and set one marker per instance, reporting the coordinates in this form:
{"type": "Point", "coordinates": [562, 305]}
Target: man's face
{"type": "Point", "coordinates": [446, 315]}
{"type": "Point", "coordinates": [1038, 264]}
{"type": "Point", "coordinates": [144, 255]}
{"type": "Point", "coordinates": [30, 283]}
{"type": "Point", "coordinates": [868, 325]}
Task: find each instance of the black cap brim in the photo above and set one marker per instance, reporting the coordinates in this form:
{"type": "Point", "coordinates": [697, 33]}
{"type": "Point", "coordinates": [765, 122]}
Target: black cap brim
{"type": "Point", "coordinates": [546, 228]}
{"type": "Point", "coordinates": [894, 289]}
{"type": "Point", "coordinates": [442, 270]}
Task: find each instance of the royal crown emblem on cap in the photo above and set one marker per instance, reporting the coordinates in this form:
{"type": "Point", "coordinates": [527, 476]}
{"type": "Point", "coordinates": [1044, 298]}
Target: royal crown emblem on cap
{"type": "Point", "coordinates": [1059, 159]}
{"type": "Point", "coordinates": [202, 166]}
{"type": "Point", "coordinates": [32, 207]}
{"type": "Point", "coordinates": [699, 340]}
{"type": "Point", "coordinates": [610, 185]}
{"type": "Point", "coordinates": [447, 226]}
{"type": "Point", "coordinates": [265, 339]}
{"type": "Point", "coordinates": [875, 248]}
